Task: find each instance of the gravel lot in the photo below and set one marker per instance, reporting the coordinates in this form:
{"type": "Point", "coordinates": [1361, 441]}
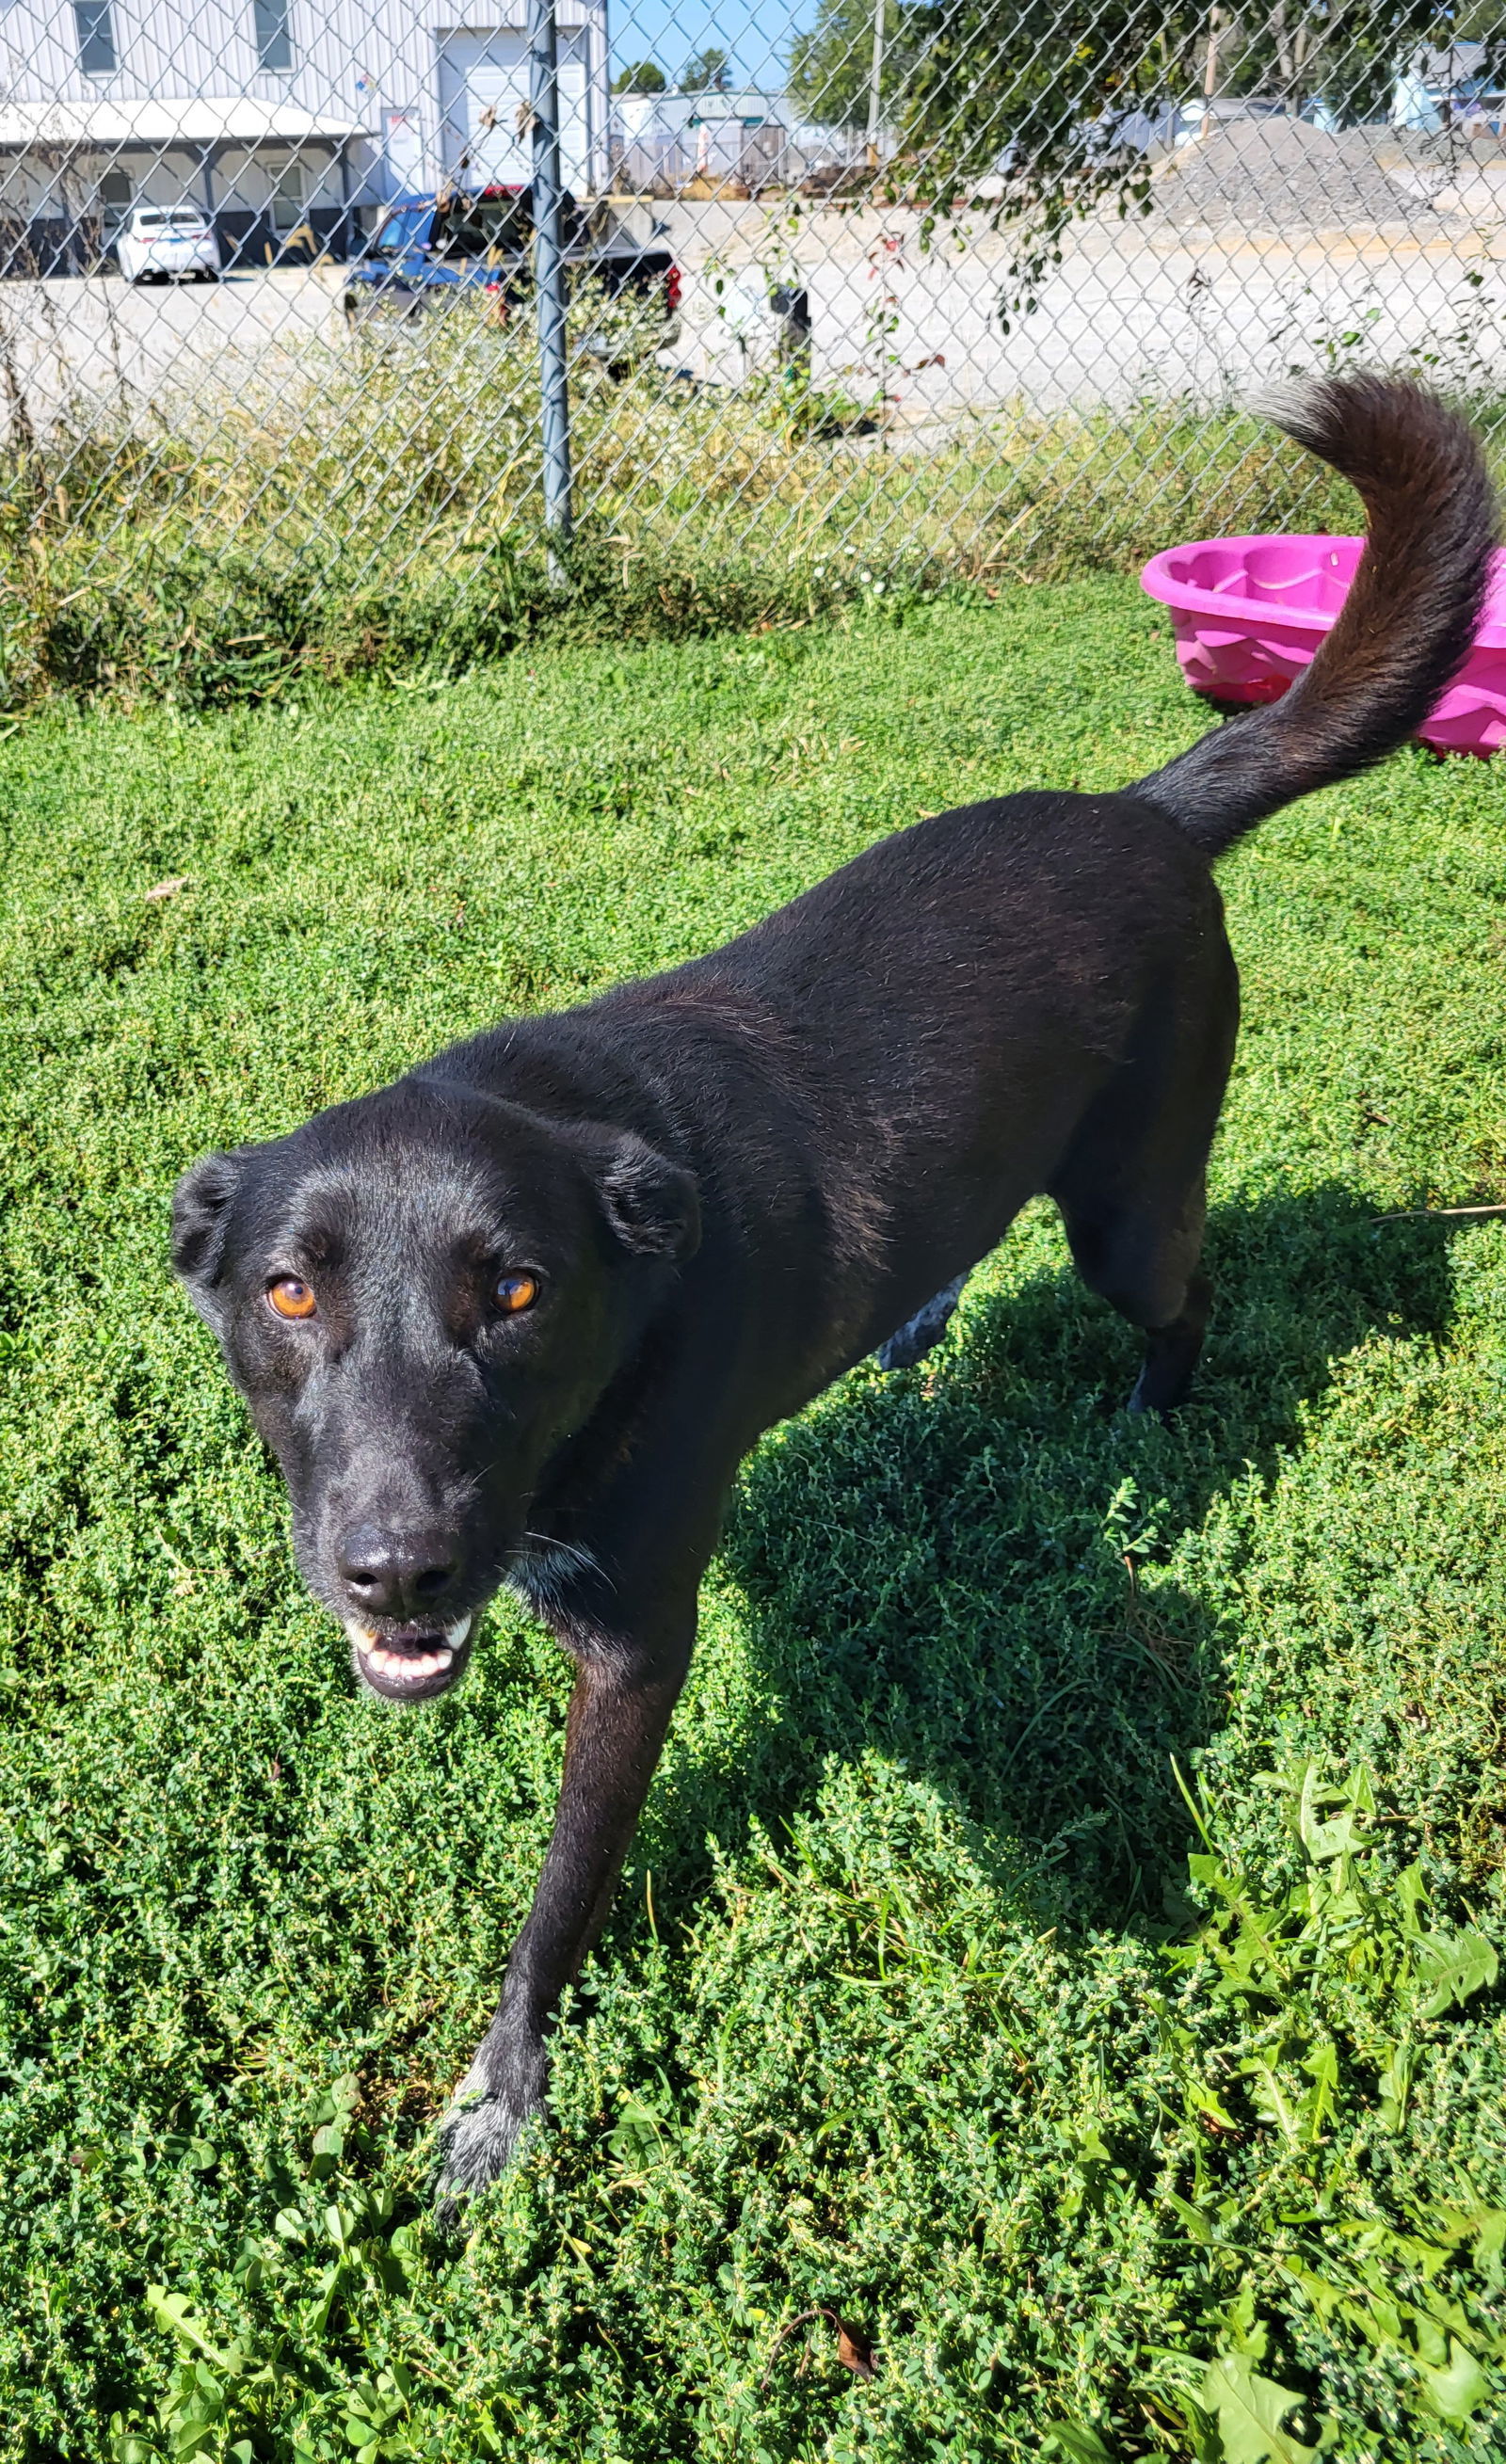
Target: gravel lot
{"type": "Point", "coordinates": [97, 340]}
{"type": "Point", "coordinates": [1133, 310]}
{"type": "Point", "coordinates": [1283, 175]}
{"type": "Point", "coordinates": [1267, 242]}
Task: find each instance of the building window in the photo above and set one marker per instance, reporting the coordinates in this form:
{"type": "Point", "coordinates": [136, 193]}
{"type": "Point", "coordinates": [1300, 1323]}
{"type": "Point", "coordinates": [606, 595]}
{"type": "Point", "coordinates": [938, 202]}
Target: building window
{"type": "Point", "coordinates": [287, 200]}
{"type": "Point", "coordinates": [274, 35]}
{"type": "Point", "coordinates": [116, 200]}
{"type": "Point", "coordinates": [96, 37]}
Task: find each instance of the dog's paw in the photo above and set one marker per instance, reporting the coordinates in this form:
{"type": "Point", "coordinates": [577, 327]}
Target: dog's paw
{"type": "Point", "coordinates": [477, 2143]}
{"type": "Point", "coordinates": [481, 2133]}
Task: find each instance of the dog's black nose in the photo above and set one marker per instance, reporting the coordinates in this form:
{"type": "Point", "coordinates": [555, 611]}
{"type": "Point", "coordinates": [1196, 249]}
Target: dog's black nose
{"type": "Point", "coordinates": [397, 1574]}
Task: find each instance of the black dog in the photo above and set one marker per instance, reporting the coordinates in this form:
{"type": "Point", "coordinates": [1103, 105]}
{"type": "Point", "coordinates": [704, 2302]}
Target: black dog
{"type": "Point", "coordinates": [517, 1318]}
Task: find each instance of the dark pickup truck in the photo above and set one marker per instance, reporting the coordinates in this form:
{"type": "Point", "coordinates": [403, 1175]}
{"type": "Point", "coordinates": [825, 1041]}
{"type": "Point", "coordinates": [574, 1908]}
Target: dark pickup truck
{"type": "Point", "coordinates": [428, 247]}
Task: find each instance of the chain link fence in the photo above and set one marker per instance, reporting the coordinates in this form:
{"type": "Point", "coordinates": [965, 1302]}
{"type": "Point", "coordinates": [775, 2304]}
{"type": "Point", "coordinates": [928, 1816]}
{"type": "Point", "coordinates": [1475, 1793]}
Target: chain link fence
{"type": "Point", "coordinates": [852, 293]}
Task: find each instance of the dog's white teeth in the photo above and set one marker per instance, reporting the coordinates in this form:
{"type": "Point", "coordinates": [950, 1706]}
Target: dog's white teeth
{"type": "Point", "coordinates": [405, 1667]}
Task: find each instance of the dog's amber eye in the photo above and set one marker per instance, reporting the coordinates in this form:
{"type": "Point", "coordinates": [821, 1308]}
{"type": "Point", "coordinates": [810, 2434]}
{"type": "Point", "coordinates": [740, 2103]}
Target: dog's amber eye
{"type": "Point", "coordinates": [515, 1292]}
{"type": "Point", "coordinates": [291, 1297]}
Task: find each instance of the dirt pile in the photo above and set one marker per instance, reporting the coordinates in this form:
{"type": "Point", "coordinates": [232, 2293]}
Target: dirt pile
{"type": "Point", "coordinates": [1283, 175]}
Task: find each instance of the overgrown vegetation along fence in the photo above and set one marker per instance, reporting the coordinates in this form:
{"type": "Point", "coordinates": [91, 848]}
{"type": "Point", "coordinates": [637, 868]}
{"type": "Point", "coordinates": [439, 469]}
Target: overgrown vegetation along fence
{"type": "Point", "coordinates": [961, 290]}
{"type": "Point", "coordinates": [389, 514]}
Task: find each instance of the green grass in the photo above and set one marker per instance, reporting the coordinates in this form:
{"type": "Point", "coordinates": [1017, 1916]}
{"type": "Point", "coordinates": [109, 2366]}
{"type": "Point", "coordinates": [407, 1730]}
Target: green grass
{"type": "Point", "coordinates": [911, 2012]}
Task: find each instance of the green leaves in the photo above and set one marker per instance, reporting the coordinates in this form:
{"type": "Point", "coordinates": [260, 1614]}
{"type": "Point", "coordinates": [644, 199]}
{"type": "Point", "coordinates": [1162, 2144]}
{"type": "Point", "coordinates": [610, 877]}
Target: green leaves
{"type": "Point", "coordinates": [1457, 2389]}
{"type": "Point", "coordinates": [330, 2256]}
{"type": "Point", "coordinates": [1450, 1967]}
{"type": "Point", "coordinates": [1341, 1834]}
{"type": "Point", "coordinates": [332, 2120]}
{"type": "Point", "coordinates": [644, 2135]}
{"type": "Point", "coordinates": [174, 2311]}
{"type": "Point", "coordinates": [1346, 1915]}
{"type": "Point", "coordinates": [375, 2409]}
{"type": "Point", "coordinates": [1249, 2412]}
{"type": "Point", "coordinates": [1320, 1972]}
{"type": "Point", "coordinates": [1075, 2443]}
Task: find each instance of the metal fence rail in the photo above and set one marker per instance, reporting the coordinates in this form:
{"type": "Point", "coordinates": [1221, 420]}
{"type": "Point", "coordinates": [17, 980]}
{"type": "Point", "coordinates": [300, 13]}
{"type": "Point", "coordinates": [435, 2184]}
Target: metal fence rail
{"type": "Point", "coordinates": [330, 293]}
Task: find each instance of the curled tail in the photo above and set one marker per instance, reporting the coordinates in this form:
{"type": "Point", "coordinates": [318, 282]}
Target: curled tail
{"type": "Point", "coordinates": [1401, 635]}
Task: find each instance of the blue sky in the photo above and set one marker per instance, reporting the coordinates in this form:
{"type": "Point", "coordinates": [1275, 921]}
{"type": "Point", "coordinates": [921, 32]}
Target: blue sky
{"type": "Point", "coordinates": [670, 31]}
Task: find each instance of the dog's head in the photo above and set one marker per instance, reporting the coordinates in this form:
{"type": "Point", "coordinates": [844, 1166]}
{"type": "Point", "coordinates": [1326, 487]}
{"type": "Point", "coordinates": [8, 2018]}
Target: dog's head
{"type": "Point", "coordinates": [422, 1296]}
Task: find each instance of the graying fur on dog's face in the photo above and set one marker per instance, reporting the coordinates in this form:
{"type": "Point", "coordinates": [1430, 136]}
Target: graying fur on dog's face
{"type": "Point", "coordinates": [412, 1406]}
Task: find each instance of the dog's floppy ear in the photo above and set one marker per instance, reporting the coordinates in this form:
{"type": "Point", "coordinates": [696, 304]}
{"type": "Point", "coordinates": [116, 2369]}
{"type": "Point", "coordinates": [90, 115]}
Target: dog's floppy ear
{"type": "Point", "coordinates": [652, 1206]}
{"type": "Point", "coordinates": [200, 1205]}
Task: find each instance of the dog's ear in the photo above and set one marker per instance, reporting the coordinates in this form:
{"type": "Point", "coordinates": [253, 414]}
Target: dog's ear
{"type": "Point", "coordinates": [200, 1205]}
{"type": "Point", "coordinates": [652, 1206]}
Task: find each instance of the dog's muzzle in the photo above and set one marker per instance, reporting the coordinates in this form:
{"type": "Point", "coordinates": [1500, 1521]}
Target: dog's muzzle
{"type": "Point", "coordinates": [409, 1663]}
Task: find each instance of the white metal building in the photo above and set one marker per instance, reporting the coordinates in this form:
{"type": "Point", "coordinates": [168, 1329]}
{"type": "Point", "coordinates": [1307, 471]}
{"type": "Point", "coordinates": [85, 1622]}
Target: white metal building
{"type": "Point", "coordinates": [287, 121]}
{"type": "Point", "coordinates": [661, 143]}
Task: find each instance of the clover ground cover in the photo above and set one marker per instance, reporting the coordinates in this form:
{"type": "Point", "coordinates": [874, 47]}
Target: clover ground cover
{"type": "Point", "coordinates": [912, 2013]}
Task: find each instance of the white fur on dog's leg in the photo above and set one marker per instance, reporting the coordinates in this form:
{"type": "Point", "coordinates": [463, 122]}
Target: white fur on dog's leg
{"type": "Point", "coordinates": [912, 1341]}
{"type": "Point", "coordinates": [481, 2134]}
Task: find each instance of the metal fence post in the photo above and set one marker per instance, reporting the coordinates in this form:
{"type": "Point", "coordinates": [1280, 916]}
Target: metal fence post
{"type": "Point", "coordinates": [1326, 186]}
{"type": "Point", "coordinates": [548, 261]}
{"type": "Point", "coordinates": [876, 79]}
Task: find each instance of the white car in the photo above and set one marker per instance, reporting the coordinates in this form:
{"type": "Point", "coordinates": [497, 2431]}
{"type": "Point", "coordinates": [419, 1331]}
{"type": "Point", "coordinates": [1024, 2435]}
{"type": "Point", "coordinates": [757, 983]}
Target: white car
{"type": "Point", "coordinates": [167, 245]}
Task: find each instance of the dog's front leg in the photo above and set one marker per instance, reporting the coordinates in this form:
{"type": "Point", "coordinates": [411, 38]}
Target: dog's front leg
{"type": "Point", "coordinates": [619, 1713]}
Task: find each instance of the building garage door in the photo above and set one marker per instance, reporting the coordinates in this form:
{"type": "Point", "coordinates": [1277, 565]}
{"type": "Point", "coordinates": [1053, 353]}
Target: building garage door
{"type": "Point", "coordinates": [483, 101]}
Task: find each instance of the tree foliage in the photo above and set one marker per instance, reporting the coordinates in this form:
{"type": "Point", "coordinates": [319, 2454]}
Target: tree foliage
{"type": "Point", "coordinates": [1032, 98]}
{"type": "Point", "coordinates": [831, 65]}
{"type": "Point", "coordinates": [640, 76]}
{"type": "Point", "coordinates": [707, 72]}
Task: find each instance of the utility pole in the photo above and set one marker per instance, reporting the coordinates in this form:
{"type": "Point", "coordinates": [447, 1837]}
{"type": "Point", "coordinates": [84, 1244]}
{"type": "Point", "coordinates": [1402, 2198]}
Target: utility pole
{"type": "Point", "coordinates": [1215, 23]}
{"type": "Point", "coordinates": [549, 277]}
{"type": "Point", "coordinates": [876, 76]}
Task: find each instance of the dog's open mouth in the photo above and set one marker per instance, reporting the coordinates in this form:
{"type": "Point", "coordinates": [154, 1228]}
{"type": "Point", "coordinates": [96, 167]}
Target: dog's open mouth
{"type": "Point", "coordinates": [409, 1663]}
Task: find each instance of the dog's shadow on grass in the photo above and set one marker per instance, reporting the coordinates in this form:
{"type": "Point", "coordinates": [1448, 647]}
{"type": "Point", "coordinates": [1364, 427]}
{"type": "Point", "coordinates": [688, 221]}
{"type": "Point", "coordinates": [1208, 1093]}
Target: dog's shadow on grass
{"type": "Point", "coordinates": [958, 1566]}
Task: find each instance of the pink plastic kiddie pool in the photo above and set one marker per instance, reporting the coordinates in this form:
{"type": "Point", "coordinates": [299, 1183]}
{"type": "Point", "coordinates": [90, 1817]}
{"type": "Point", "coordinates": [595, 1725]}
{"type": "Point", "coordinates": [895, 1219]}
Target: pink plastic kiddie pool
{"type": "Point", "coordinates": [1248, 614]}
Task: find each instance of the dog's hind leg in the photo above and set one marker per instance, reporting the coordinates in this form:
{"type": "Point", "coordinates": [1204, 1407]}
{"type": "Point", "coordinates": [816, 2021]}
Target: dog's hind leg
{"type": "Point", "coordinates": [1141, 1255]}
{"type": "Point", "coordinates": [1131, 1186]}
{"type": "Point", "coordinates": [919, 1333]}
{"type": "Point", "coordinates": [1172, 1352]}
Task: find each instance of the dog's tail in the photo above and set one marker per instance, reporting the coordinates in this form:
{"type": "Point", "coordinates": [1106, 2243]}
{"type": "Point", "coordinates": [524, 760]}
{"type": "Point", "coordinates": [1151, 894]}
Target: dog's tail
{"type": "Point", "coordinates": [1404, 630]}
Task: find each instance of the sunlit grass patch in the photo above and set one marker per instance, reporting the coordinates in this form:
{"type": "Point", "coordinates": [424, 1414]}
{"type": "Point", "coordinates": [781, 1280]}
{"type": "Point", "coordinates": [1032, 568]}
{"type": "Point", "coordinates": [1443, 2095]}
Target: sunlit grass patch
{"type": "Point", "coordinates": [913, 2014]}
